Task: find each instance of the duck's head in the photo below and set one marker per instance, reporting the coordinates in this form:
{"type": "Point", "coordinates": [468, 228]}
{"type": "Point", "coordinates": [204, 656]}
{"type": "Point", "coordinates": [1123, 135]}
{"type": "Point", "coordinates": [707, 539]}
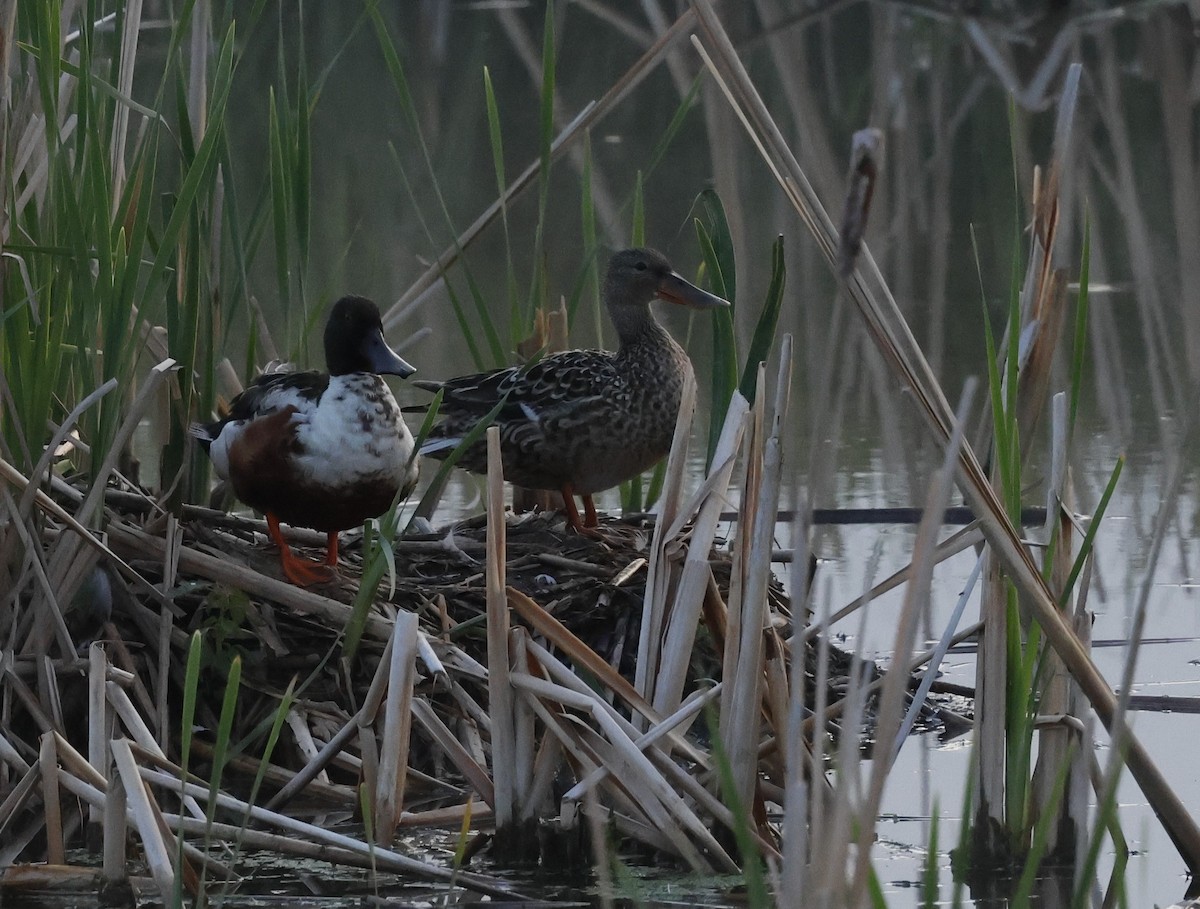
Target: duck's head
{"type": "Point", "coordinates": [354, 341]}
{"type": "Point", "coordinates": [637, 276]}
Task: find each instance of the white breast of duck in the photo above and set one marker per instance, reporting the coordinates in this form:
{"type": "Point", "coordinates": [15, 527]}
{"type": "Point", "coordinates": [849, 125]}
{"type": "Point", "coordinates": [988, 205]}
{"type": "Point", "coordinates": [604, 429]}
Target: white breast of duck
{"type": "Point", "coordinates": [344, 434]}
{"type": "Point", "coordinates": [354, 434]}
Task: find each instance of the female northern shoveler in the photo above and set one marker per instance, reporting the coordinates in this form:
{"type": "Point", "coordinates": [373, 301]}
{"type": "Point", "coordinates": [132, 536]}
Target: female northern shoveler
{"type": "Point", "coordinates": [320, 450]}
{"type": "Point", "coordinates": [583, 421]}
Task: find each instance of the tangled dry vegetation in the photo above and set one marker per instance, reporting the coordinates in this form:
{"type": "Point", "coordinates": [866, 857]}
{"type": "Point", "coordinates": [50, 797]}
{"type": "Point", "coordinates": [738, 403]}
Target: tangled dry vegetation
{"type": "Point", "coordinates": [404, 729]}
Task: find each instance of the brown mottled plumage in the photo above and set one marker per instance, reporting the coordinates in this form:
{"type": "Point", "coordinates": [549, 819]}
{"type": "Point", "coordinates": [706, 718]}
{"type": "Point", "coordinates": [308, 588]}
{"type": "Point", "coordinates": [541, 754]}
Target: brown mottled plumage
{"type": "Point", "coordinates": [583, 421]}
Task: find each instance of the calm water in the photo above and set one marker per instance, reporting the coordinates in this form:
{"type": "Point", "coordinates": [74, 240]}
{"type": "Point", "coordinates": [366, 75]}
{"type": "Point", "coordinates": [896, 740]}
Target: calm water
{"type": "Point", "coordinates": [947, 190]}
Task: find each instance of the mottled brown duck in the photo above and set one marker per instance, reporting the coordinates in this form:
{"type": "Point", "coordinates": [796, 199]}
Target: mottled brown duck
{"type": "Point", "coordinates": [582, 421]}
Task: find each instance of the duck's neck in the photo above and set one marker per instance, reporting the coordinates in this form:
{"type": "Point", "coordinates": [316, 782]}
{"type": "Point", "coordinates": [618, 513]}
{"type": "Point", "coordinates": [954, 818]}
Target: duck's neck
{"type": "Point", "coordinates": [636, 326]}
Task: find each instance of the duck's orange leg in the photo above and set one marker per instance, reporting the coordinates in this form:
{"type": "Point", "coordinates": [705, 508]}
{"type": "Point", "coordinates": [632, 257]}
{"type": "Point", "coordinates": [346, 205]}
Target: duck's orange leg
{"type": "Point", "coordinates": [589, 512]}
{"type": "Point", "coordinates": [568, 495]}
{"type": "Point", "coordinates": [331, 549]}
{"type": "Point", "coordinates": [300, 572]}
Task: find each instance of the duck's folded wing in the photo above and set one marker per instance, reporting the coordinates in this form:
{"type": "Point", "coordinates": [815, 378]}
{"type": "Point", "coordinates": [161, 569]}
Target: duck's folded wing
{"type": "Point", "coordinates": [552, 383]}
{"type": "Point", "coordinates": [274, 391]}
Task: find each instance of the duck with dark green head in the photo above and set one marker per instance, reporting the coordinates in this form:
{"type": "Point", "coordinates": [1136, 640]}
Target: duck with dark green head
{"type": "Point", "coordinates": [320, 450]}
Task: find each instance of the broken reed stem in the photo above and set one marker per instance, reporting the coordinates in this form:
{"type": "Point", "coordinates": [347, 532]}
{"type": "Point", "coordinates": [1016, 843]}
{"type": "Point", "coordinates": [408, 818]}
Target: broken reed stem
{"type": "Point", "coordinates": [500, 694]}
{"type": "Point", "coordinates": [361, 721]}
{"type": "Point", "coordinates": [145, 818]}
{"type": "Point", "coordinates": [403, 863]}
{"type": "Point", "coordinates": [683, 619]}
{"type": "Point", "coordinates": [659, 572]}
{"type": "Point", "coordinates": [742, 734]}
{"type": "Point", "coordinates": [397, 727]}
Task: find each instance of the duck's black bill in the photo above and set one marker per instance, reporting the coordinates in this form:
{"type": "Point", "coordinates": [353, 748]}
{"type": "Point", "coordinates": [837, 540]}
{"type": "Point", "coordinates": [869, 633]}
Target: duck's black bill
{"type": "Point", "coordinates": [675, 289]}
{"type": "Point", "coordinates": [383, 359]}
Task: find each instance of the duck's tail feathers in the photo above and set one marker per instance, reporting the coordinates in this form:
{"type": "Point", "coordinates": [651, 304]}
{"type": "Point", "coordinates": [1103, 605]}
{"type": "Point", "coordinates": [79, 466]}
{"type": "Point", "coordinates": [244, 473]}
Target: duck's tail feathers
{"type": "Point", "coordinates": [202, 433]}
{"type": "Point", "coordinates": [431, 447]}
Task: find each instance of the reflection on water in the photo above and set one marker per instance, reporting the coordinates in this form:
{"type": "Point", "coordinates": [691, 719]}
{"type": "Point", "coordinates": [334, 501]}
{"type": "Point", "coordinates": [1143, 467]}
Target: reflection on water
{"type": "Point", "coordinates": [943, 226]}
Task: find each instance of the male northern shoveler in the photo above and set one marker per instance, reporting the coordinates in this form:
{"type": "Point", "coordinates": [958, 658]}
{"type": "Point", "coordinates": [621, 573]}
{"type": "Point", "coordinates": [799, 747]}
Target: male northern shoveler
{"type": "Point", "coordinates": [582, 421]}
{"type": "Point", "coordinates": [320, 450]}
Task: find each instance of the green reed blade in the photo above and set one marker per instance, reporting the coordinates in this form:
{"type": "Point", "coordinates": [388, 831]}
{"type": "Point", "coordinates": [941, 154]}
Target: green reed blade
{"type": "Point", "coordinates": [764, 330]}
{"type": "Point", "coordinates": [724, 376]}
{"type": "Point", "coordinates": [1079, 350]}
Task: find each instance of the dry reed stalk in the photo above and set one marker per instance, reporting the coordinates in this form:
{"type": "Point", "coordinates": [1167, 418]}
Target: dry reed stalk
{"type": "Point", "coordinates": [14, 477]}
{"type": "Point", "coordinates": [67, 550]}
{"type": "Point", "coordinates": [500, 695]}
{"type": "Point", "coordinates": [297, 722]}
{"type": "Point", "coordinates": [335, 794]}
{"type": "Point", "coordinates": [81, 779]}
{"type": "Point", "coordinates": [224, 571]}
{"type": "Point", "coordinates": [542, 787]}
{"type": "Point", "coordinates": [145, 819]}
{"type": "Point", "coordinates": [890, 713]}
{"type": "Point", "coordinates": [891, 334]}
{"type": "Point", "coordinates": [452, 817]}
{"type": "Point", "coordinates": [9, 755]}
{"type": "Point", "coordinates": [474, 772]}
{"type": "Point", "coordinates": [30, 702]}
{"type": "Point", "coordinates": [356, 725]}
{"type": "Point", "coordinates": [686, 784]}
{"type": "Point", "coordinates": [602, 856]}
{"type": "Point", "coordinates": [114, 828]}
{"type": "Point", "coordinates": [289, 845]}
{"type": "Point", "coordinates": [42, 879]}
{"type": "Point", "coordinates": [17, 796]}
{"type": "Point", "coordinates": [400, 863]}
{"type": "Point", "coordinates": [792, 883]}
{"type": "Point", "coordinates": [397, 727]}
{"type": "Point", "coordinates": [831, 854]}
{"type": "Point", "coordinates": [132, 29]}
{"type": "Point", "coordinates": [1054, 742]}
{"type": "Point", "coordinates": [751, 448]}
{"type": "Point", "coordinates": [685, 714]}
{"type": "Point", "coordinates": [557, 634]}
{"type": "Point", "coordinates": [139, 732]}
{"type": "Point", "coordinates": [658, 571]}
{"type": "Point", "coordinates": [524, 733]}
{"type": "Point", "coordinates": [742, 734]}
{"type": "Point", "coordinates": [98, 728]}
{"type": "Point", "coordinates": [683, 617]}
{"type": "Point", "coordinates": [960, 541]}
{"type": "Point", "coordinates": [655, 797]}
{"type": "Point", "coordinates": [51, 804]}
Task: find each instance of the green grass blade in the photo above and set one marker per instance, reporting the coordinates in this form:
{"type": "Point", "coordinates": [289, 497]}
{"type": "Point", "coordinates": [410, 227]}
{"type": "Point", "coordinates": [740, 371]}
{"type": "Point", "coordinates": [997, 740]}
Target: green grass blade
{"type": "Point", "coordinates": [1079, 351]}
{"type": "Point", "coordinates": [637, 233]}
{"type": "Point", "coordinates": [1089, 537]}
{"type": "Point", "coordinates": [724, 376]}
{"type": "Point", "coordinates": [591, 271]}
{"type": "Point", "coordinates": [768, 320]}
{"type": "Point", "coordinates": [537, 285]}
{"type": "Point", "coordinates": [279, 181]}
